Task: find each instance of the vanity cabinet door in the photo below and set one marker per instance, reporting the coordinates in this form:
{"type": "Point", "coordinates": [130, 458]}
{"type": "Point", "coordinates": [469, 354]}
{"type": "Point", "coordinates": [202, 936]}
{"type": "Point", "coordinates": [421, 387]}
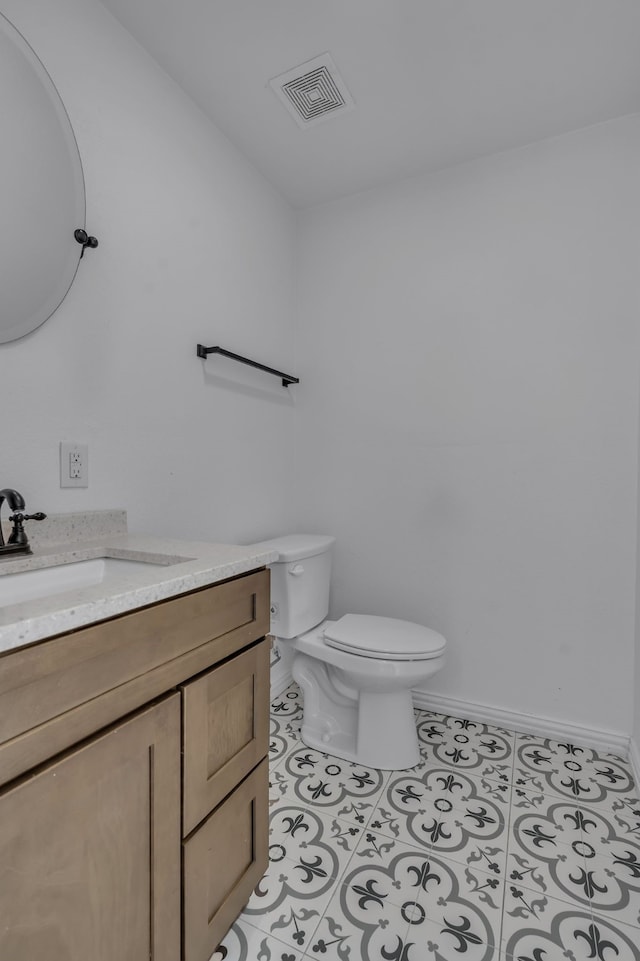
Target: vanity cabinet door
{"type": "Point", "coordinates": [226, 730]}
{"type": "Point", "coordinates": [223, 861]}
{"type": "Point", "coordinates": [90, 849]}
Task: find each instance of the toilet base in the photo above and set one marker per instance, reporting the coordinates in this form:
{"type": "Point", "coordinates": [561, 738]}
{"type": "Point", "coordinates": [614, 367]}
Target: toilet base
{"type": "Point", "coordinates": [387, 735]}
{"type": "Point", "coordinates": [375, 729]}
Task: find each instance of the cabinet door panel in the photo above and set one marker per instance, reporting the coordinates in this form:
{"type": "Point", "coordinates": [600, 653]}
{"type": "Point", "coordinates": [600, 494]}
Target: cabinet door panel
{"type": "Point", "coordinates": [226, 730]}
{"type": "Point", "coordinates": [90, 849]}
{"type": "Point", "coordinates": [223, 861]}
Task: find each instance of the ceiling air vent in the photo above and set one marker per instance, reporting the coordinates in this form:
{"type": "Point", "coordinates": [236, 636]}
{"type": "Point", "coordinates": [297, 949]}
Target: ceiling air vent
{"type": "Point", "coordinates": [313, 91]}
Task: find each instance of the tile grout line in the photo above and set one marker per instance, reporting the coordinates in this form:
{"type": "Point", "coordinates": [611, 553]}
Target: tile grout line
{"type": "Point", "coordinates": [508, 845]}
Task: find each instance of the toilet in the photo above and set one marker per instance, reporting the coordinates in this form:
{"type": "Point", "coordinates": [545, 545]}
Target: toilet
{"type": "Point", "coordinates": [356, 673]}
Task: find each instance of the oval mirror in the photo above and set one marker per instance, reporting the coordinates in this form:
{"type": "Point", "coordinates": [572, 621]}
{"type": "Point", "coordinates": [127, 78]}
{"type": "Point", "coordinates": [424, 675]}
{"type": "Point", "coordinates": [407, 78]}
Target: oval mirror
{"type": "Point", "coordinates": [42, 198]}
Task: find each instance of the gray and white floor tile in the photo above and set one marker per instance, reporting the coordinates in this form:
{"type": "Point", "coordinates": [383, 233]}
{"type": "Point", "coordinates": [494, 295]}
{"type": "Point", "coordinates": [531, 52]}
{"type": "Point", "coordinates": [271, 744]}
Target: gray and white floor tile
{"type": "Point", "coordinates": [571, 771]}
{"type": "Point", "coordinates": [251, 944]}
{"type": "Point", "coordinates": [542, 929]}
{"type": "Point", "coordinates": [497, 846]}
{"type": "Point", "coordinates": [346, 790]}
{"type": "Point", "coordinates": [468, 746]}
{"type": "Point", "coordinates": [284, 736]}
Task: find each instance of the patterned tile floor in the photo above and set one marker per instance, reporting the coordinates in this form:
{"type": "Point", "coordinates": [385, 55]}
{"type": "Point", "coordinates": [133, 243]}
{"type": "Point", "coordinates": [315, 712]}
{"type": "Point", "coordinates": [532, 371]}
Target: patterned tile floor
{"type": "Point", "coordinates": [497, 847]}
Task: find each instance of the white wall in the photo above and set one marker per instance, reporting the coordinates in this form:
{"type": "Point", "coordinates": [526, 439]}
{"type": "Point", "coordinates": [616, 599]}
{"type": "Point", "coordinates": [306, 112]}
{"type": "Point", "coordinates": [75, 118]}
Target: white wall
{"type": "Point", "coordinates": [194, 247]}
{"type": "Point", "coordinates": [468, 425]}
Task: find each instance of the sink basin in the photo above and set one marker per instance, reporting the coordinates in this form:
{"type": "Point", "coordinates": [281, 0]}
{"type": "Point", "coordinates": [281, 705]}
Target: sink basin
{"type": "Point", "coordinates": [44, 581]}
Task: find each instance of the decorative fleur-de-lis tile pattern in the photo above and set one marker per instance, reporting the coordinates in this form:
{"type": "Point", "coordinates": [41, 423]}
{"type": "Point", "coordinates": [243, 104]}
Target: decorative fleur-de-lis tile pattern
{"type": "Point", "coordinates": [362, 922]}
{"type": "Point", "coordinates": [626, 818]}
{"type": "Point", "coordinates": [494, 785]}
{"type": "Point", "coordinates": [440, 889]}
{"type": "Point", "coordinates": [348, 791]}
{"type": "Point", "coordinates": [246, 943]}
{"type": "Point", "coordinates": [393, 897]}
{"type": "Point", "coordinates": [602, 836]}
{"type": "Point", "coordinates": [295, 832]}
{"type": "Point", "coordinates": [448, 812]}
{"type": "Point", "coordinates": [546, 930]}
{"type": "Point", "coordinates": [495, 847]}
{"type": "Point", "coordinates": [284, 736]}
{"type": "Point", "coordinates": [547, 853]}
{"type": "Point", "coordinates": [571, 771]}
{"type": "Point", "coordinates": [288, 704]}
{"type": "Point", "coordinates": [469, 746]}
{"type": "Point", "coordinates": [308, 852]}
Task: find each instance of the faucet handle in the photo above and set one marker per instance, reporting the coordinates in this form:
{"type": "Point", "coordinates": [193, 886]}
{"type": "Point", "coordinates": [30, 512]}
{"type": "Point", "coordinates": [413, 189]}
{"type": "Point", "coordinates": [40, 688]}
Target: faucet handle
{"type": "Point", "coordinates": [18, 535]}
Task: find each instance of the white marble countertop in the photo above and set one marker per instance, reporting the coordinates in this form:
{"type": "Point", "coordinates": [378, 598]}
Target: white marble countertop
{"type": "Point", "coordinates": [191, 564]}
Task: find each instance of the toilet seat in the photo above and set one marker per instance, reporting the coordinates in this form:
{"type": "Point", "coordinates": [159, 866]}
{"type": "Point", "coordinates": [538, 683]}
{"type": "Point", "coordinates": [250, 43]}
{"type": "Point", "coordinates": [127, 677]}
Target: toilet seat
{"type": "Point", "coordinates": [386, 638]}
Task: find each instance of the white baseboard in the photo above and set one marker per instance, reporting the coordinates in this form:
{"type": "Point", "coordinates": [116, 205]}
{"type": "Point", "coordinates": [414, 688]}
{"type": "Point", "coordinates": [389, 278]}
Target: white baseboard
{"type": "Point", "coordinates": [634, 760]}
{"type": "Point", "coordinates": [607, 741]}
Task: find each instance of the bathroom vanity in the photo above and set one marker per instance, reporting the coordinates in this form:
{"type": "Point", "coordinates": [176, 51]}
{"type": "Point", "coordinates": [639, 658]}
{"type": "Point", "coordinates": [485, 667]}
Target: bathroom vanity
{"type": "Point", "coordinates": [133, 758]}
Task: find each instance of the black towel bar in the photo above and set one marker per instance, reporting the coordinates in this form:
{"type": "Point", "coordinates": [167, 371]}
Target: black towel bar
{"type": "Point", "coordinates": [286, 378]}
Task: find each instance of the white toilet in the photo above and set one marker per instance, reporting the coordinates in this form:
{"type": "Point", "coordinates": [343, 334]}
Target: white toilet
{"type": "Point", "coordinates": [356, 673]}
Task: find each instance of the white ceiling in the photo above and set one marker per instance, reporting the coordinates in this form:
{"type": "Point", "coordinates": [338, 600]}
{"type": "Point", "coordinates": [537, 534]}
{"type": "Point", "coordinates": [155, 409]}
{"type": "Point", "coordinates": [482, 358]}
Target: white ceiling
{"type": "Point", "coordinates": [435, 82]}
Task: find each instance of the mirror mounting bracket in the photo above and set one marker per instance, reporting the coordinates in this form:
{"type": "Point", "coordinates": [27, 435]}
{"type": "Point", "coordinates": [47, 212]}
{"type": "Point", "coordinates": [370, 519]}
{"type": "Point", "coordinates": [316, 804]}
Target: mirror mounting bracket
{"type": "Point", "coordinates": [83, 238]}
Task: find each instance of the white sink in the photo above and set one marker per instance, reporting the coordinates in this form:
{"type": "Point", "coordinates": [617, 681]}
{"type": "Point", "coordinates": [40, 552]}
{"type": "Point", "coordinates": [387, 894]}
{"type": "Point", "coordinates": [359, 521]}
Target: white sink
{"type": "Point", "coordinates": [43, 581]}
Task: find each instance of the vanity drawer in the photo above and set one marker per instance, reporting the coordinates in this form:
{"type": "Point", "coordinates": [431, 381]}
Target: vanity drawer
{"type": "Point", "coordinates": [225, 723]}
{"type": "Point", "coordinates": [223, 861]}
{"type": "Point", "coordinates": [54, 693]}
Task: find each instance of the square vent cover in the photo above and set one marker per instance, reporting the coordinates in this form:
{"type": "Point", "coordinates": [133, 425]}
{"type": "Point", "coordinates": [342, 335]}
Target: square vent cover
{"type": "Point", "coordinates": [313, 92]}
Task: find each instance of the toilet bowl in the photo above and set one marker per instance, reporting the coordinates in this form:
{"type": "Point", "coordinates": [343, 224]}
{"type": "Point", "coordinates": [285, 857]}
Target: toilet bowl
{"type": "Point", "coordinates": [356, 673]}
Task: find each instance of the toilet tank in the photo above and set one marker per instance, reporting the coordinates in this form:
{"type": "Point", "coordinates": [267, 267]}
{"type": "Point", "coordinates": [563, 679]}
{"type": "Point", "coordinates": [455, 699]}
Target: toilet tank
{"type": "Point", "coordinates": [300, 581]}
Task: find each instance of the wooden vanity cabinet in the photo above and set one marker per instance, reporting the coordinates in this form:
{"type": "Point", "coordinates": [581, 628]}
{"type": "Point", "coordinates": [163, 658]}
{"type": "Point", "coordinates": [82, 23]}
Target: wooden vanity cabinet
{"type": "Point", "coordinates": [133, 780]}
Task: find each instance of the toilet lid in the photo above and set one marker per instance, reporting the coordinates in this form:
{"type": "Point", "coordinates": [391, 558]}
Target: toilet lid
{"type": "Point", "coordinates": [384, 637]}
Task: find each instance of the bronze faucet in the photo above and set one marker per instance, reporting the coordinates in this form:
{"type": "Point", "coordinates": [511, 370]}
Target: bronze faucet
{"type": "Point", "coordinates": [18, 542]}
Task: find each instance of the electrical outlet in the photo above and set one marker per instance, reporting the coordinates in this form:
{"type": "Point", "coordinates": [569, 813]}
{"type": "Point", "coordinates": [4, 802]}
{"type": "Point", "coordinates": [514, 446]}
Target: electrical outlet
{"type": "Point", "coordinates": [74, 465]}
